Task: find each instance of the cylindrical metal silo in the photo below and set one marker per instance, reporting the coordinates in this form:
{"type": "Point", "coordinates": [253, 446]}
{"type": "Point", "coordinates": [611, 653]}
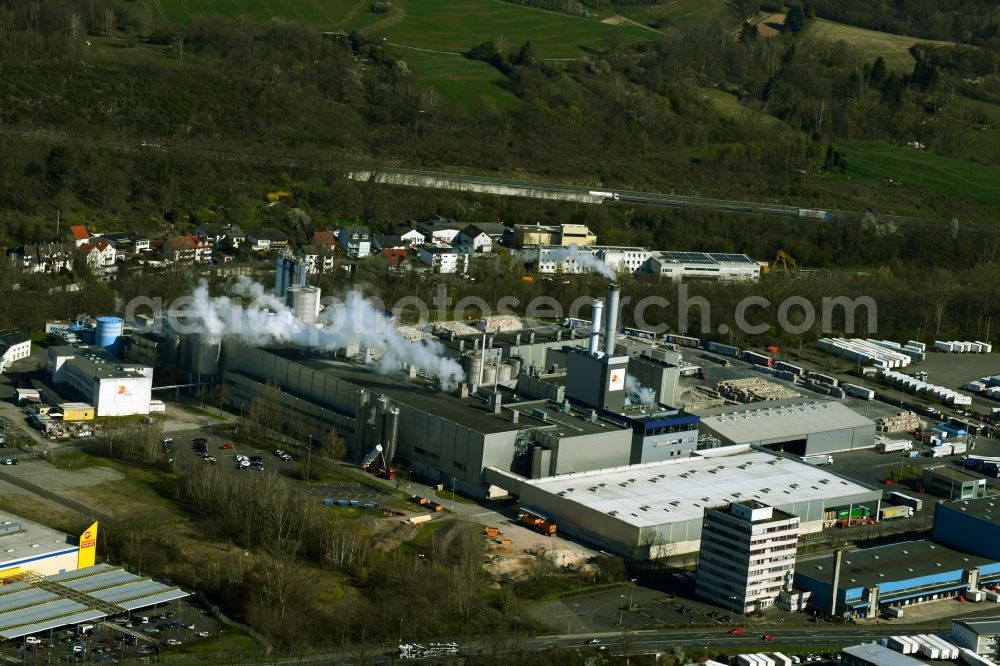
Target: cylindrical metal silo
{"type": "Point", "coordinates": [109, 332]}
{"type": "Point", "coordinates": [473, 365]}
{"type": "Point", "coordinates": [515, 366]}
{"type": "Point", "coordinates": [489, 374]}
{"type": "Point", "coordinates": [204, 354]}
{"type": "Point", "coordinates": [304, 302]}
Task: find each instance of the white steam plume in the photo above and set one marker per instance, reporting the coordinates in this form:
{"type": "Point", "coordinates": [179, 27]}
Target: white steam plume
{"type": "Point", "coordinates": [583, 259]}
{"type": "Point", "coordinates": [260, 318]}
{"type": "Point", "coordinates": [637, 394]}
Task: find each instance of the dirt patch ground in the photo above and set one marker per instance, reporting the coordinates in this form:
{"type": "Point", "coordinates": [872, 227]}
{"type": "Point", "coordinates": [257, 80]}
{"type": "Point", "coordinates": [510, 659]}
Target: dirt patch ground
{"type": "Point", "coordinates": [771, 26]}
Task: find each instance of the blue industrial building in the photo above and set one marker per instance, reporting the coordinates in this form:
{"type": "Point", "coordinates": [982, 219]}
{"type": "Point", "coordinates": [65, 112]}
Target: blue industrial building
{"type": "Point", "coordinates": [871, 580]}
{"type": "Point", "coordinates": [970, 525]}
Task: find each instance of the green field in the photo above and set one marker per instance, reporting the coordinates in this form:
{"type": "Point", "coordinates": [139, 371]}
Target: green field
{"type": "Point", "coordinates": [429, 35]}
{"type": "Point", "coordinates": [891, 47]}
{"type": "Point", "coordinates": [678, 12]}
{"type": "Point", "coordinates": [438, 25]}
{"type": "Point", "coordinates": [466, 81]}
{"type": "Point", "coordinates": [877, 160]}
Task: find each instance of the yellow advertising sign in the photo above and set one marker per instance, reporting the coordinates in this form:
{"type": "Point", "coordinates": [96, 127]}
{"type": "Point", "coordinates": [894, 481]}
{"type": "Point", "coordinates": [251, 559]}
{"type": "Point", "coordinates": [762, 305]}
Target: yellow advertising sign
{"type": "Point", "coordinates": [87, 555]}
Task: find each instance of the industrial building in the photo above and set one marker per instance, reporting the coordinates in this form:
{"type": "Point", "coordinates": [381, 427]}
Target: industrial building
{"type": "Point", "coordinates": [113, 388]}
{"type": "Point", "coordinates": [970, 525]}
{"type": "Point", "coordinates": [952, 483]}
{"type": "Point", "coordinates": [747, 555]}
{"type": "Point", "coordinates": [656, 509]}
{"type": "Point", "coordinates": [981, 635]}
{"type": "Point", "coordinates": [720, 266]}
{"type": "Point", "coordinates": [801, 428]}
{"type": "Point", "coordinates": [14, 345]}
{"type": "Point", "coordinates": [870, 580]}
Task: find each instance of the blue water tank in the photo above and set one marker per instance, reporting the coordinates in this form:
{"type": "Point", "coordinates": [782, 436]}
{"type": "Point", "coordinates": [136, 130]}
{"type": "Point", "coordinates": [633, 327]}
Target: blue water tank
{"type": "Point", "coordinates": [109, 332]}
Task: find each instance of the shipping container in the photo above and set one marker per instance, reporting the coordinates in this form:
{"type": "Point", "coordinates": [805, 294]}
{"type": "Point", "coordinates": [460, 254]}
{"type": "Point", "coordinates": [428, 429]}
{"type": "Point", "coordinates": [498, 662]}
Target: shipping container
{"type": "Point", "coordinates": [823, 379]}
{"type": "Point", "coordinates": [906, 500]}
{"type": "Point", "coordinates": [894, 512]}
{"type": "Point", "coordinates": [719, 348]}
{"type": "Point", "coordinates": [943, 346]}
{"type": "Point", "coordinates": [940, 451]}
{"type": "Point", "coordinates": [858, 391]}
{"type": "Point", "coordinates": [856, 512]}
{"type": "Point", "coordinates": [975, 595]}
{"type": "Point", "coordinates": [899, 643]}
{"type": "Point", "coordinates": [788, 367]}
{"type": "Point", "coordinates": [918, 345]}
{"type": "Point", "coordinates": [757, 359]}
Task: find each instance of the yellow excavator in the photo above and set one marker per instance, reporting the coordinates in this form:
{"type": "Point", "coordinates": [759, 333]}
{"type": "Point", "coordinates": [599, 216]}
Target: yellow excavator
{"type": "Point", "coordinates": [782, 261]}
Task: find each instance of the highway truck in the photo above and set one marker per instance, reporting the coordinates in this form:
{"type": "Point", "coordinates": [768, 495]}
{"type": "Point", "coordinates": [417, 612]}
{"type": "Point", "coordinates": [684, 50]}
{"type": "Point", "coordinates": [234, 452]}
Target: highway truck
{"type": "Point", "coordinates": [893, 445]}
{"type": "Point", "coordinates": [607, 196]}
{"type": "Point", "coordinates": [824, 215]}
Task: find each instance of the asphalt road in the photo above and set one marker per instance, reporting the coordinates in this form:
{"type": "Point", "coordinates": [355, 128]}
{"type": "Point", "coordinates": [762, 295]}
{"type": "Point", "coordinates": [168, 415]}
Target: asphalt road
{"type": "Point", "coordinates": [460, 181]}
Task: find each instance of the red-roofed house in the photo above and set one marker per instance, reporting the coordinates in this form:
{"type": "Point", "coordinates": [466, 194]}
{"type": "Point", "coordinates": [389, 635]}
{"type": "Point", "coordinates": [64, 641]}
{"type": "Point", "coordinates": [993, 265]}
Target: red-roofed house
{"type": "Point", "coordinates": [78, 234]}
{"type": "Point", "coordinates": [327, 238]}
{"type": "Point", "coordinates": [100, 253]}
{"type": "Point", "coordinates": [187, 248]}
{"type": "Point", "coordinates": [393, 257]}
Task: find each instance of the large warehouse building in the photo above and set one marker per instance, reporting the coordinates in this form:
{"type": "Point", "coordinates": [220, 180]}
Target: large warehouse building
{"type": "Point", "coordinates": [898, 575]}
{"type": "Point", "coordinates": [970, 525]}
{"type": "Point", "coordinates": [793, 426]}
{"type": "Point", "coordinates": [656, 509]}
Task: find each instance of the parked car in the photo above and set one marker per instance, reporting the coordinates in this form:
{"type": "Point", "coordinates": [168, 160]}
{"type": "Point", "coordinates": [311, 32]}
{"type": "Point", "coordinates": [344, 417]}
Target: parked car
{"type": "Point", "coordinates": [228, 446]}
{"type": "Point", "coordinates": [31, 640]}
{"type": "Point", "coordinates": [202, 634]}
{"type": "Point", "coordinates": [173, 641]}
{"type": "Point", "coordinates": [10, 461]}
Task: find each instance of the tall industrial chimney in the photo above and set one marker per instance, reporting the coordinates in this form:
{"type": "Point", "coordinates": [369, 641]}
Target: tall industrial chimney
{"type": "Point", "coordinates": [611, 316]}
{"type": "Point", "coordinates": [595, 326]}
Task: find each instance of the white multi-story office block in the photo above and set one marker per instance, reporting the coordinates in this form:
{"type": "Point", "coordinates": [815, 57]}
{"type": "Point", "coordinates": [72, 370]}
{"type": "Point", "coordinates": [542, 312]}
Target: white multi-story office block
{"type": "Point", "coordinates": [747, 555]}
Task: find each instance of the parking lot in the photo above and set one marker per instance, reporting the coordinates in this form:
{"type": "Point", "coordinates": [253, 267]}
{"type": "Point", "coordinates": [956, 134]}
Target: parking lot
{"type": "Point", "coordinates": [143, 633]}
{"type": "Point", "coordinates": [221, 451]}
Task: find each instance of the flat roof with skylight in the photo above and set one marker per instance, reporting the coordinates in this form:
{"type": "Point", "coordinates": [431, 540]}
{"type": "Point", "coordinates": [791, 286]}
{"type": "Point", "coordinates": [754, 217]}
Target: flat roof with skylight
{"type": "Point", "coordinates": [677, 490]}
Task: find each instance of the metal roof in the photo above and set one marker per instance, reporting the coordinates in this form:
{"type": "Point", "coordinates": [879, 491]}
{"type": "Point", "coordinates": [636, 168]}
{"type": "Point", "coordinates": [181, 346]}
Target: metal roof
{"type": "Point", "coordinates": [39, 604]}
{"type": "Point", "coordinates": [984, 627]}
{"type": "Point", "coordinates": [986, 508]}
{"type": "Point", "coordinates": [679, 490]}
{"type": "Point", "coordinates": [867, 567]}
{"type": "Point", "coordinates": [746, 424]}
{"type": "Point", "coordinates": [877, 655]}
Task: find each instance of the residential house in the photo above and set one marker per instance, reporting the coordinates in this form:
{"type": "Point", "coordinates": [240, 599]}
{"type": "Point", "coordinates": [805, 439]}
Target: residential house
{"type": "Point", "coordinates": [14, 345]}
{"type": "Point", "coordinates": [445, 259]}
{"type": "Point", "coordinates": [408, 235]}
{"type": "Point", "coordinates": [318, 258]}
{"type": "Point", "coordinates": [184, 249]}
{"type": "Point", "coordinates": [356, 241]}
{"type": "Point", "coordinates": [127, 242]}
{"type": "Point", "coordinates": [479, 238]}
{"type": "Point", "coordinates": [46, 257]}
{"type": "Point", "coordinates": [101, 254]}
{"type": "Point", "coordinates": [393, 257]}
{"type": "Point", "coordinates": [439, 231]}
{"type": "Point", "coordinates": [387, 242]}
{"type": "Point", "coordinates": [78, 234]}
{"type": "Point", "coordinates": [267, 238]}
{"type": "Point", "coordinates": [218, 234]}
{"type": "Point", "coordinates": [325, 237]}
